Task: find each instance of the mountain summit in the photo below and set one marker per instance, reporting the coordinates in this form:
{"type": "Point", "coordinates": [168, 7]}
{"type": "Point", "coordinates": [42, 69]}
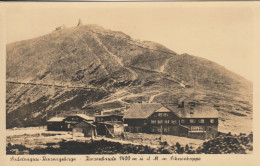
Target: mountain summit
{"type": "Point", "coordinates": [88, 67]}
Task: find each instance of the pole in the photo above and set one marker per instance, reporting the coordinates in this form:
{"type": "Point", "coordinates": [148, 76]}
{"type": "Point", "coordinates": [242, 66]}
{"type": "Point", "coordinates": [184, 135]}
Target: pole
{"type": "Point", "coordinates": [161, 134]}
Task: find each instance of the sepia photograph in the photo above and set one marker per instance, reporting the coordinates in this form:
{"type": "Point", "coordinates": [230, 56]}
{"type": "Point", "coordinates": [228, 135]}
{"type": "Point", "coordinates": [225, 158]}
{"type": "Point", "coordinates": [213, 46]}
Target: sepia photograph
{"type": "Point", "coordinates": [129, 78]}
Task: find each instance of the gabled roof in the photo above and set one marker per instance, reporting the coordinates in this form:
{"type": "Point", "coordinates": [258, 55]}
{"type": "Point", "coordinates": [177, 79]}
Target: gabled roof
{"type": "Point", "coordinates": [141, 110]}
{"type": "Point", "coordinates": [56, 119]}
{"type": "Point", "coordinates": [85, 117]}
{"type": "Point", "coordinates": [83, 124]}
{"type": "Point", "coordinates": [163, 109]}
{"type": "Point", "coordinates": [199, 111]}
{"type": "Point", "coordinates": [108, 115]}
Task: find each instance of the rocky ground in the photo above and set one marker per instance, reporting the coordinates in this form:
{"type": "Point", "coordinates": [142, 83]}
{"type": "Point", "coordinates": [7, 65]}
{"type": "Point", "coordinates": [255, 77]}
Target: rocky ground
{"type": "Point", "coordinates": [39, 141]}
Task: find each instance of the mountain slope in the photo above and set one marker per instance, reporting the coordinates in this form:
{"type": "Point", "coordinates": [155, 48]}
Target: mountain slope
{"type": "Point", "coordinates": [89, 67]}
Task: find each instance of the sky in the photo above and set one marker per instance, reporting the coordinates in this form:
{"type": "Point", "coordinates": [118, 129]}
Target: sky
{"type": "Point", "coordinates": [221, 32]}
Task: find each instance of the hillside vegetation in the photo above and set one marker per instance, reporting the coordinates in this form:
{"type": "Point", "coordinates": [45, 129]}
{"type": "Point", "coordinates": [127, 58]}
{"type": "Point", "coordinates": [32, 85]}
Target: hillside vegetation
{"type": "Point", "coordinates": [89, 67]}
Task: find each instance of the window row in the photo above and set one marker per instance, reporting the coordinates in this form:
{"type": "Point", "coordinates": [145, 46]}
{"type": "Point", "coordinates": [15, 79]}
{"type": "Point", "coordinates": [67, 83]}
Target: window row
{"type": "Point", "coordinates": [161, 114]}
{"type": "Point", "coordinates": [163, 121]}
{"type": "Point", "coordinates": [199, 120]}
{"type": "Point", "coordinates": [135, 129]}
{"type": "Point", "coordinates": [108, 119]}
{"type": "Point", "coordinates": [164, 129]}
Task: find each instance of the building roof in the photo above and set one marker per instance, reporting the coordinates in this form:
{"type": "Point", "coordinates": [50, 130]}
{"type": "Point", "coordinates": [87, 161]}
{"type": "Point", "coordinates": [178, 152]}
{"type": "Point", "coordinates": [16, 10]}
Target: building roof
{"type": "Point", "coordinates": [108, 115]}
{"type": "Point", "coordinates": [197, 131]}
{"type": "Point", "coordinates": [83, 124]}
{"type": "Point", "coordinates": [141, 110]}
{"type": "Point", "coordinates": [199, 111]}
{"type": "Point", "coordinates": [56, 119]}
{"type": "Point", "coordinates": [85, 117]}
{"type": "Point", "coordinates": [111, 123]}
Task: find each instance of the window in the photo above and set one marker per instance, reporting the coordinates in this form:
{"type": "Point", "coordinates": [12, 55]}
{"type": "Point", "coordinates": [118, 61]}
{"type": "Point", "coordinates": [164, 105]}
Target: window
{"type": "Point", "coordinates": [155, 114]}
{"type": "Point", "coordinates": [113, 119]}
{"type": "Point", "coordinates": [183, 121]}
{"type": "Point", "coordinates": [165, 114]}
{"type": "Point", "coordinates": [131, 129]}
{"type": "Point", "coordinates": [159, 129]}
{"type": "Point", "coordinates": [196, 128]}
{"type": "Point", "coordinates": [160, 121]}
{"type": "Point", "coordinates": [98, 119]}
{"type": "Point", "coordinates": [153, 129]}
{"type": "Point", "coordinates": [166, 121]}
{"type": "Point", "coordinates": [160, 114]}
{"type": "Point", "coordinates": [153, 121]}
{"type": "Point", "coordinates": [211, 120]}
{"type": "Point", "coordinates": [201, 121]}
{"type": "Point", "coordinates": [138, 129]}
{"type": "Point", "coordinates": [192, 120]}
{"type": "Point", "coordinates": [166, 129]}
{"type": "Point", "coordinates": [174, 121]}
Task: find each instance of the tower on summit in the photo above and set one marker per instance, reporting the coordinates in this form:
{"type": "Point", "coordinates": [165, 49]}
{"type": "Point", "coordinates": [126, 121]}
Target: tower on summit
{"type": "Point", "coordinates": [79, 23]}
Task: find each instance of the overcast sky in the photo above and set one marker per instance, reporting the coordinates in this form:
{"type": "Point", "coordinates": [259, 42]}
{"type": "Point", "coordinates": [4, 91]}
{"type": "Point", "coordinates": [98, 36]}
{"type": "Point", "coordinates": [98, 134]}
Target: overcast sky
{"type": "Point", "coordinates": [221, 33]}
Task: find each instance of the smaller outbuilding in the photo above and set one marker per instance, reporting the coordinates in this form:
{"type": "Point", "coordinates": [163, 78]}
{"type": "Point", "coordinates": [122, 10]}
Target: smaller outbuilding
{"type": "Point", "coordinates": [66, 123]}
{"type": "Point", "coordinates": [109, 129]}
{"type": "Point", "coordinates": [84, 129]}
{"type": "Point", "coordinates": [56, 124]}
{"type": "Point", "coordinates": [109, 118]}
{"type": "Point", "coordinates": [71, 120]}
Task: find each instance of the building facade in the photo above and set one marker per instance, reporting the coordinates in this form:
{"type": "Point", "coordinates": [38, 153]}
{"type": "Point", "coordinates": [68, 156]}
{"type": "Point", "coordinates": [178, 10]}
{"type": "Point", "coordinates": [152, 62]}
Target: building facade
{"type": "Point", "coordinates": [109, 118]}
{"type": "Point", "coordinates": [66, 123]}
{"type": "Point", "coordinates": [109, 125]}
{"type": "Point", "coordinates": [56, 124]}
{"type": "Point", "coordinates": [194, 121]}
{"type": "Point", "coordinates": [84, 129]}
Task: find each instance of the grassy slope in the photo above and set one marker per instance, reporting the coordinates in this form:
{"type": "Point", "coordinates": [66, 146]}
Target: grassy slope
{"type": "Point", "coordinates": [112, 62]}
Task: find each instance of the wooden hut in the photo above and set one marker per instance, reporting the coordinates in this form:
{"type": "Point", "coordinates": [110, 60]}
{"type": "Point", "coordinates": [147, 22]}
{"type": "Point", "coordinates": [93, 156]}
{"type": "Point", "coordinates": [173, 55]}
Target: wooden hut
{"type": "Point", "coordinates": [84, 129]}
{"type": "Point", "coordinates": [56, 124]}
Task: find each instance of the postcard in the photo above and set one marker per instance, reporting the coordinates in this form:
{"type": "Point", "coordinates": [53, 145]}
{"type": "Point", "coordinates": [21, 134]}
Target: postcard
{"type": "Point", "coordinates": [122, 83]}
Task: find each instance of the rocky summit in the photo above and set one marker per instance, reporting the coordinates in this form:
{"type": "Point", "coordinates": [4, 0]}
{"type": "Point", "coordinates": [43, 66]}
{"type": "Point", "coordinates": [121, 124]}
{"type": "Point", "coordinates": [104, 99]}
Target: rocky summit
{"type": "Point", "coordinates": [90, 68]}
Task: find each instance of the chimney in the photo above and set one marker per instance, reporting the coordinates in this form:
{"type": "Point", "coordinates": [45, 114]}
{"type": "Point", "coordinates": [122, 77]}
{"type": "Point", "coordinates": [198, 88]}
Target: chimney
{"type": "Point", "coordinates": [181, 104]}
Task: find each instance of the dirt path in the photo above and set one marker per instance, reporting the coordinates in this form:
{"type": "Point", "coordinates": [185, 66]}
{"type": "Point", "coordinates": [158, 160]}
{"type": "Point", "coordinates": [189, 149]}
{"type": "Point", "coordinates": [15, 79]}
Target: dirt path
{"type": "Point", "coordinates": [116, 58]}
{"type": "Point", "coordinates": [153, 96]}
{"type": "Point", "coordinates": [165, 64]}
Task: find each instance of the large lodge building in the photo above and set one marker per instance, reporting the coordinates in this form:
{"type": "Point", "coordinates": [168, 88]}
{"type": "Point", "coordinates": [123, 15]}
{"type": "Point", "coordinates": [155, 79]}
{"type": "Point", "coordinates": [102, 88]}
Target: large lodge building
{"type": "Point", "coordinates": [191, 120]}
{"type": "Point", "coordinates": [186, 120]}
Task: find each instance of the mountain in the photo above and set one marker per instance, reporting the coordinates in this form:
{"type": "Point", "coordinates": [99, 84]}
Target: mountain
{"type": "Point", "coordinates": [88, 68]}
